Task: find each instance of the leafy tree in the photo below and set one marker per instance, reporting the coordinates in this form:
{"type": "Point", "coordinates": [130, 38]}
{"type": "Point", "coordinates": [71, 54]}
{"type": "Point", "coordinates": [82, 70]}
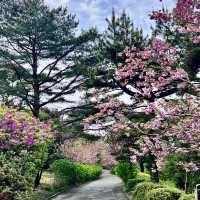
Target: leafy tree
{"type": "Point", "coordinates": [40, 47]}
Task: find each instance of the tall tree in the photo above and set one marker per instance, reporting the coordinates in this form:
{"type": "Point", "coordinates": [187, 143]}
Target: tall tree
{"type": "Point", "coordinates": [120, 33]}
{"type": "Point", "coordinates": [43, 51]}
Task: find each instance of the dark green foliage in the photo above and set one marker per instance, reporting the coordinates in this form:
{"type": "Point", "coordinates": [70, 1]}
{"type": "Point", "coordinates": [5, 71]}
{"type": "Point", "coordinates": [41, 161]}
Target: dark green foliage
{"type": "Point", "coordinates": [141, 177]}
{"type": "Point", "coordinates": [141, 190]}
{"type": "Point", "coordinates": [120, 34]}
{"type": "Point", "coordinates": [70, 173]}
{"type": "Point", "coordinates": [164, 194]}
{"type": "Point", "coordinates": [193, 62]}
{"type": "Point", "coordinates": [126, 170]}
{"type": "Point", "coordinates": [175, 173]}
{"type": "Point", "coordinates": [125, 154]}
{"type": "Point", "coordinates": [17, 176]}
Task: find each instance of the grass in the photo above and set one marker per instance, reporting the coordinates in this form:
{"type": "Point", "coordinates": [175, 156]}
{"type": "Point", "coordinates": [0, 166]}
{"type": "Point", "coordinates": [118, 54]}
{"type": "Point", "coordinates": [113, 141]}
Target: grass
{"type": "Point", "coordinates": [48, 188]}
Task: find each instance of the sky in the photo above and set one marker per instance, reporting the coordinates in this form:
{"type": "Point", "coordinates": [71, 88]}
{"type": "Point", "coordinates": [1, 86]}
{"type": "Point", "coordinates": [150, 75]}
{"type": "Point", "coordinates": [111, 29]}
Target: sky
{"type": "Point", "coordinates": [92, 13]}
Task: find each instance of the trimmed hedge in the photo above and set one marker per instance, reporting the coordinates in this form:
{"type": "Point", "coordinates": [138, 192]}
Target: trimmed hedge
{"type": "Point", "coordinates": [164, 194]}
{"type": "Point", "coordinates": [71, 173]}
{"type": "Point", "coordinates": [87, 172]}
{"type": "Point", "coordinates": [141, 177]}
{"type": "Point", "coordinates": [163, 191]}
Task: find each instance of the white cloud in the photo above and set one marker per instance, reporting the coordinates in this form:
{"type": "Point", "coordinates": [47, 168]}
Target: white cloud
{"type": "Point", "coordinates": [56, 3]}
{"type": "Point", "coordinates": [93, 12]}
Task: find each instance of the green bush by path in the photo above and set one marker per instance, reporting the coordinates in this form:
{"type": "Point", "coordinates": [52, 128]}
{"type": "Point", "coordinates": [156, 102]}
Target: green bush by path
{"type": "Point", "coordinates": [17, 176]}
{"type": "Point", "coordinates": [151, 191]}
{"type": "Point", "coordinates": [65, 171]}
{"type": "Point", "coordinates": [87, 172]}
{"type": "Point", "coordinates": [71, 173]}
{"type": "Point", "coordinates": [141, 177]}
{"type": "Point", "coordinates": [187, 197]}
{"type": "Point", "coordinates": [141, 190]}
{"type": "Point", "coordinates": [175, 173]}
{"type": "Point", "coordinates": [164, 194]}
{"type": "Point", "coordinates": [126, 170]}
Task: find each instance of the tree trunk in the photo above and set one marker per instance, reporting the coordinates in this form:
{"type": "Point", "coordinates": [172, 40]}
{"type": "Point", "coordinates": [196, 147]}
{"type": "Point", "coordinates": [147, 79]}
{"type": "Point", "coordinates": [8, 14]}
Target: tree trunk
{"type": "Point", "coordinates": [154, 173]}
{"type": "Point", "coordinates": [141, 163]}
{"type": "Point", "coordinates": [36, 111]}
{"type": "Point", "coordinates": [186, 181]}
{"type": "Point", "coordinates": [36, 99]}
{"type": "Point", "coordinates": [38, 178]}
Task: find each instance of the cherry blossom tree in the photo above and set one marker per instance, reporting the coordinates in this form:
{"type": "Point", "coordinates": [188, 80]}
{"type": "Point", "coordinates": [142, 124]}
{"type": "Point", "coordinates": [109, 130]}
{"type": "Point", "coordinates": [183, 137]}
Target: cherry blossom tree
{"type": "Point", "coordinates": [148, 76]}
{"type": "Point", "coordinates": [181, 28]}
{"type": "Point", "coordinates": [88, 152]}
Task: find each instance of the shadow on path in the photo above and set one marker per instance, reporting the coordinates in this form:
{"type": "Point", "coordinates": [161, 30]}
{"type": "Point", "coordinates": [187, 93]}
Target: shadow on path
{"type": "Point", "coordinates": [108, 187]}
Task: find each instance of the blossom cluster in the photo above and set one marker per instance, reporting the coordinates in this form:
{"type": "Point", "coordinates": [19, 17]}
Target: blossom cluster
{"type": "Point", "coordinates": [190, 167]}
{"type": "Point", "coordinates": [160, 16]}
{"type": "Point", "coordinates": [184, 18]}
{"type": "Point", "coordinates": [148, 76]}
{"type": "Point", "coordinates": [19, 129]}
{"type": "Point", "coordinates": [178, 129]}
{"type": "Point", "coordinates": [153, 70]}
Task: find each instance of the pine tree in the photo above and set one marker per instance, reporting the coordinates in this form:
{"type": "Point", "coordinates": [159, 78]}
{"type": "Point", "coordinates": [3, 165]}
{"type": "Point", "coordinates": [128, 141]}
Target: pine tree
{"type": "Point", "coordinates": [120, 33]}
{"type": "Point", "coordinates": [40, 47]}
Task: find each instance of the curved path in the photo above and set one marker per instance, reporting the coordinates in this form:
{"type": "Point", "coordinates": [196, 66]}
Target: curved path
{"type": "Point", "coordinates": [108, 187]}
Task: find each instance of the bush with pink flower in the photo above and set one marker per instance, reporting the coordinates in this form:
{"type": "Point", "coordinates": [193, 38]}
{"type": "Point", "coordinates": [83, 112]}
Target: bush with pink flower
{"type": "Point", "coordinates": [19, 129]}
{"type": "Point", "coordinates": [23, 150]}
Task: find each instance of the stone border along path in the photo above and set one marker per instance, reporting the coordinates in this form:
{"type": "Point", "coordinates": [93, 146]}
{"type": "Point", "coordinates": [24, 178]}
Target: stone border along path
{"type": "Point", "coordinates": [108, 187]}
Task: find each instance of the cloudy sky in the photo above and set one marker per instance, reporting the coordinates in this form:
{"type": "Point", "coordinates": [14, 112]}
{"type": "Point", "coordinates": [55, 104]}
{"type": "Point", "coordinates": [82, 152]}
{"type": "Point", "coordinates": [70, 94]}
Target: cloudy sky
{"type": "Point", "coordinates": [94, 12]}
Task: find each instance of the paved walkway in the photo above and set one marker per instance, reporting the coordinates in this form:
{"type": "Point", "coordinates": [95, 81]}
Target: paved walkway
{"type": "Point", "coordinates": [108, 187]}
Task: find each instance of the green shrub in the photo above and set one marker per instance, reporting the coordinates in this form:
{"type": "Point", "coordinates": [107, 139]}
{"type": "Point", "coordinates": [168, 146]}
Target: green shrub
{"type": "Point", "coordinates": [175, 173]}
{"type": "Point", "coordinates": [187, 197]}
{"type": "Point", "coordinates": [65, 171]}
{"type": "Point", "coordinates": [23, 152]}
{"type": "Point", "coordinates": [141, 190]}
{"type": "Point", "coordinates": [86, 173]}
{"type": "Point", "coordinates": [126, 170]}
{"type": "Point", "coordinates": [164, 194]}
{"type": "Point", "coordinates": [141, 177]}
{"type": "Point", "coordinates": [72, 173]}
{"type": "Point", "coordinates": [112, 171]}
{"type": "Point", "coordinates": [168, 184]}
{"type": "Point", "coordinates": [16, 177]}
